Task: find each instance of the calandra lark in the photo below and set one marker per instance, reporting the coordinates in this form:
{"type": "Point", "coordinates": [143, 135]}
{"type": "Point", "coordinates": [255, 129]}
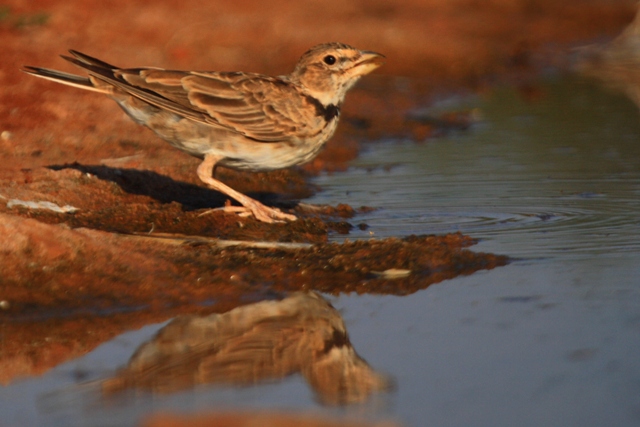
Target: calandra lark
{"type": "Point", "coordinates": [243, 121]}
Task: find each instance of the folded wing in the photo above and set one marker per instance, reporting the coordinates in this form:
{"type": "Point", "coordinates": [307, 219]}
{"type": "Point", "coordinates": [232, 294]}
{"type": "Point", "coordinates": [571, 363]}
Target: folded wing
{"type": "Point", "coordinates": [262, 108]}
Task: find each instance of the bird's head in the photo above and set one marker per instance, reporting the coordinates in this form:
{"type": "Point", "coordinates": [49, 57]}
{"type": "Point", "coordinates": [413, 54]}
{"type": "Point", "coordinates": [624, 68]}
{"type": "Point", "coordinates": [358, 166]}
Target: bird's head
{"type": "Point", "coordinates": [329, 70]}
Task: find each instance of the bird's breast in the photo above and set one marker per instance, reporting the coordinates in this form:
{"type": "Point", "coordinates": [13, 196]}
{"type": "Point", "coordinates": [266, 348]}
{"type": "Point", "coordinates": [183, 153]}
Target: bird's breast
{"type": "Point", "coordinates": [266, 156]}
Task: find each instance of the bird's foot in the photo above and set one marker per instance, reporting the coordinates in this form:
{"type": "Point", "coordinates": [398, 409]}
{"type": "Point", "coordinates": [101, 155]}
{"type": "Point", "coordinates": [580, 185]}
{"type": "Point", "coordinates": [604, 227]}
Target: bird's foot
{"type": "Point", "coordinates": [258, 210]}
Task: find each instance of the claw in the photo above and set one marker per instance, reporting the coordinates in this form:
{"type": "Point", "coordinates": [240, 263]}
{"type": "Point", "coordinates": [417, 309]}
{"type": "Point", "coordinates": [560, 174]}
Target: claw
{"type": "Point", "coordinates": [259, 211]}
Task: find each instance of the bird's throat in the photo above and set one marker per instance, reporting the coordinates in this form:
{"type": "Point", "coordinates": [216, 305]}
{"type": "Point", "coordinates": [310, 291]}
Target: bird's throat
{"type": "Point", "coordinates": [328, 112]}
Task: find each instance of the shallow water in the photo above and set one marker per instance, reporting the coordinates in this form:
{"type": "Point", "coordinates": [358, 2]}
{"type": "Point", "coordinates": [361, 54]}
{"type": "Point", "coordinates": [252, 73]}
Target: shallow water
{"type": "Point", "coordinates": [558, 174]}
{"type": "Point", "coordinates": [553, 338]}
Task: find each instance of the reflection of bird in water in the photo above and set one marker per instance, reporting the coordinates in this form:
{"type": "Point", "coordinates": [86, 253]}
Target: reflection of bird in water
{"type": "Point", "coordinates": [247, 345]}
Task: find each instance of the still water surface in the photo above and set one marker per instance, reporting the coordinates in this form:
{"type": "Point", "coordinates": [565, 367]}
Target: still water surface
{"type": "Point", "coordinates": [551, 339]}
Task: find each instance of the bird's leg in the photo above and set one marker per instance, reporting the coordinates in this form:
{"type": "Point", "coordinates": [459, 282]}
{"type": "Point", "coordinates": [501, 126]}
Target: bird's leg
{"type": "Point", "coordinates": [259, 211]}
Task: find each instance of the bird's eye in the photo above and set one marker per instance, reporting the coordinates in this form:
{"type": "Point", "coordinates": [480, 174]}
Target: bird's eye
{"type": "Point", "coordinates": [329, 59]}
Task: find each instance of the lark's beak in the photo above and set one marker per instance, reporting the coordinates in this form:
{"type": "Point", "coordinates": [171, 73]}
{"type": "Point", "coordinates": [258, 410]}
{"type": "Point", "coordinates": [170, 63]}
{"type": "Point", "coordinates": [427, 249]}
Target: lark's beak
{"type": "Point", "coordinates": [368, 62]}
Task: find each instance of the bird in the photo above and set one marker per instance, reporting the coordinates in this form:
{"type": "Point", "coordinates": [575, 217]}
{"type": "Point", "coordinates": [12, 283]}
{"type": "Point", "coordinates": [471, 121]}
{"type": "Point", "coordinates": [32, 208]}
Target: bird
{"type": "Point", "coordinates": [239, 120]}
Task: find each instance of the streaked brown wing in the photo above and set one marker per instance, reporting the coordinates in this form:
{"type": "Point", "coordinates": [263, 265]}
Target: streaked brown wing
{"type": "Point", "coordinates": [259, 107]}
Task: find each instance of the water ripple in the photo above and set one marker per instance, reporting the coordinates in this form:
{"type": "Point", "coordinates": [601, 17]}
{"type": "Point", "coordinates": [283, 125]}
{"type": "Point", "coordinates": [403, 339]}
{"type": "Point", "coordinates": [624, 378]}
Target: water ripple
{"type": "Point", "coordinates": [578, 222]}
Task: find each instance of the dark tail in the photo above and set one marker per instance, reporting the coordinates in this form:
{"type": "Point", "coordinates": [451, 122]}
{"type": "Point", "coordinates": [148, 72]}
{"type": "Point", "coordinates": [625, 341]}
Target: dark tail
{"type": "Point", "coordinates": [79, 59]}
{"type": "Point", "coordinates": [88, 60]}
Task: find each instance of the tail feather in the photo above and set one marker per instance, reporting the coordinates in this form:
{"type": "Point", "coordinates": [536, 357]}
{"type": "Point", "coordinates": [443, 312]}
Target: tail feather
{"type": "Point", "coordinates": [62, 77]}
{"type": "Point", "coordinates": [96, 70]}
{"type": "Point", "coordinates": [80, 60]}
{"type": "Point", "coordinates": [86, 59]}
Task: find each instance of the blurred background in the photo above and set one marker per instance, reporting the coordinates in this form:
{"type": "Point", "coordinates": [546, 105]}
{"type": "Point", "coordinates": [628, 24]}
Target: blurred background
{"type": "Point", "coordinates": [458, 39]}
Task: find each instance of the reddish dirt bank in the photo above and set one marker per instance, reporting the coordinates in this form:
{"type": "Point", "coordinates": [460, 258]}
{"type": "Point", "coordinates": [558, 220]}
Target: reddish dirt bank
{"type": "Point", "coordinates": [69, 282]}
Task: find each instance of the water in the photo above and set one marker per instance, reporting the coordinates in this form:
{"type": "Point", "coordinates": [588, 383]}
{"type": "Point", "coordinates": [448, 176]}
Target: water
{"type": "Point", "coordinates": [551, 339]}
{"type": "Point", "coordinates": [556, 174]}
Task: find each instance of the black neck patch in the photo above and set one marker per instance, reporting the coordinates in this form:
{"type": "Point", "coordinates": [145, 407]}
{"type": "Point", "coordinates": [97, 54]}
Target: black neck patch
{"type": "Point", "coordinates": [328, 112]}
